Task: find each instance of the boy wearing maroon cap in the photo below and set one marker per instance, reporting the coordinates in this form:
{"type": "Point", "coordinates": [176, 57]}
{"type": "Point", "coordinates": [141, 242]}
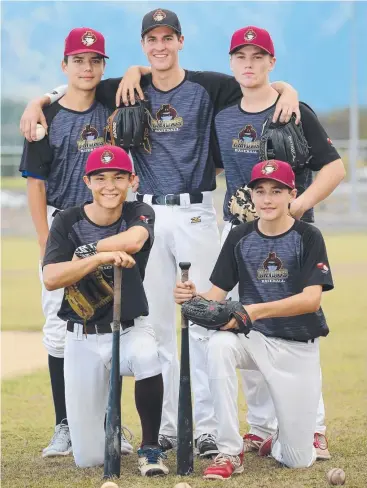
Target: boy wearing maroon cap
{"type": "Point", "coordinates": [239, 128]}
{"type": "Point", "coordinates": [282, 268]}
{"type": "Point", "coordinates": [54, 168]}
{"type": "Point", "coordinates": [84, 243]}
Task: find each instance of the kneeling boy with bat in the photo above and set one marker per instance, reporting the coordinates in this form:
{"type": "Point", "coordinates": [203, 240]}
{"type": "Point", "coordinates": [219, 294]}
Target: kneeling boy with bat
{"type": "Point", "coordinates": [85, 246]}
{"type": "Point", "coordinates": [282, 268]}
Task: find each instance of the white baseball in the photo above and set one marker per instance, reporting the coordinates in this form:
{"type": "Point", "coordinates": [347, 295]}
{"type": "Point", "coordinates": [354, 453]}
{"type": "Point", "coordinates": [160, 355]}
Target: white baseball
{"type": "Point", "coordinates": [40, 132]}
{"type": "Point", "coordinates": [109, 484]}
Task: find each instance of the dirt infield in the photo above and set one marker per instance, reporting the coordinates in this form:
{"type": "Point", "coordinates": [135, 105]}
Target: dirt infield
{"type": "Point", "coordinates": [21, 353]}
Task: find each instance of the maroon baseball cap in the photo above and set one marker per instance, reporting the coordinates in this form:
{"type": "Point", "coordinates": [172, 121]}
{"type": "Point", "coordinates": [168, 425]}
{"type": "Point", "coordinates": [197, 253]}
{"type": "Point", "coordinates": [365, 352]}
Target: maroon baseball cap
{"type": "Point", "coordinates": [252, 36]}
{"type": "Point", "coordinates": [84, 40]}
{"type": "Point", "coordinates": [108, 157]}
{"type": "Point", "coordinates": [273, 170]}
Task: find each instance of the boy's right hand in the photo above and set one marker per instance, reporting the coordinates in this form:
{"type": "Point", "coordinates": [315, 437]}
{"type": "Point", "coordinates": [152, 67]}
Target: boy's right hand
{"type": "Point", "coordinates": [32, 115]}
{"type": "Point", "coordinates": [184, 291]}
{"type": "Point", "coordinates": [117, 258]}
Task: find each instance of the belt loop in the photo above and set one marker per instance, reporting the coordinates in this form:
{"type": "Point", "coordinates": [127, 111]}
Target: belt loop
{"type": "Point", "coordinates": [185, 200]}
{"type": "Point", "coordinates": [148, 199]}
{"type": "Point", "coordinates": [208, 197]}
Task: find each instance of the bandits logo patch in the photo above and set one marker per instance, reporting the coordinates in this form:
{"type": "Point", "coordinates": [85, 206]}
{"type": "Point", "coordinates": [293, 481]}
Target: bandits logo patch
{"type": "Point", "coordinates": [250, 35]}
{"type": "Point", "coordinates": [167, 119]}
{"type": "Point", "coordinates": [107, 157]}
{"type": "Point", "coordinates": [269, 167]}
{"type": "Point", "coordinates": [88, 38]}
{"type": "Point", "coordinates": [144, 218]}
{"type": "Point", "coordinates": [272, 270]}
{"type": "Point", "coordinates": [159, 15]}
{"type": "Point", "coordinates": [323, 267]}
{"type": "Point", "coordinates": [89, 139]}
{"type": "Point", "coordinates": [246, 141]}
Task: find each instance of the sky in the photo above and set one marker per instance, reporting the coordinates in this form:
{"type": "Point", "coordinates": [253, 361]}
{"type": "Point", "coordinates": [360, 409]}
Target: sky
{"type": "Point", "coordinates": [313, 42]}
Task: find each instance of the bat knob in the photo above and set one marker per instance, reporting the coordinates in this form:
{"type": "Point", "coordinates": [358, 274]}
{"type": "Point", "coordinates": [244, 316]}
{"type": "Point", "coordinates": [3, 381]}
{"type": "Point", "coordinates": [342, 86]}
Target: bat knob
{"type": "Point", "coordinates": [184, 265]}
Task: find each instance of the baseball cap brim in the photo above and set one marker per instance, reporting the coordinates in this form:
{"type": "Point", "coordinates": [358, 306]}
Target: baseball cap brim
{"type": "Point", "coordinates": [110, 168]}
{"type": "Point", "coordinates": [160, 25]}
{"type": "Point", "coordinates": [253, 182]}
{"type": "Point", "coordinates": [249, 44]}
{"type": "Point", "coordinates": [82, 51]}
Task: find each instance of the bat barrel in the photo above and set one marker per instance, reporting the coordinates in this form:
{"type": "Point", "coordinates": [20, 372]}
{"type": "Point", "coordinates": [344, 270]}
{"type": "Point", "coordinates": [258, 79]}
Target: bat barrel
{"type": "Point", "coordinates": [113, 418]}
{"type": "Point", "coordinates": [185, 454]}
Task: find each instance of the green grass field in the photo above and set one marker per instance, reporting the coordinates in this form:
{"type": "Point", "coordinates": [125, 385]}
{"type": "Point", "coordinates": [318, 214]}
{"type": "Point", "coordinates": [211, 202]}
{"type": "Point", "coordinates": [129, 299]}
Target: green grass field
{"type": "Point", "coordinates": [27, 415]}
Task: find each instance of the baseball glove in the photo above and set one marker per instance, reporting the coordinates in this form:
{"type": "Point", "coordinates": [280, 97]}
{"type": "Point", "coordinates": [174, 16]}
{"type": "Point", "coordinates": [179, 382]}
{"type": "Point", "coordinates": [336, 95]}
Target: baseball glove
{"type": "Point", "coordinates": [285, 142]}
{"type": "Point", "coordinates": [213, 315]}
{"type": "Point", "coordinates": [241, 205]}
{"type": "Point", "coordinates": [127, 126]}
{"type": "Point", "coordinates": [89, 294]}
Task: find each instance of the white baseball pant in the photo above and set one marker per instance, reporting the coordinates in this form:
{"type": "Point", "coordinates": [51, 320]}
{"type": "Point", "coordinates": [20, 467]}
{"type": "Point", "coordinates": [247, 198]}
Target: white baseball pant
{"type": "Point", "coordinates": [261, 415]}
{"type": "Point", "coordinates": [291, 371]}
{"type": "Point", "coordinates": [87, 370]}
{"type": "Point", "coordinates": [186, 232]}
{"type": "Point", "coordinates": [54, 329]}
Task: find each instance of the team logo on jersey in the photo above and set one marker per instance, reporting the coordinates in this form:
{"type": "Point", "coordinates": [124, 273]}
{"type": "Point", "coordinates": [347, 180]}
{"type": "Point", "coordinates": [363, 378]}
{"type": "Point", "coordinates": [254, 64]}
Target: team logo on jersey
{"type": "Point", "coordinates": [246, 141]}
{"type": "Point", "coordinates": [89, 139]}
{"type": "Point", "coordinates": [250, 35]}
{"type": "Point", "coordinates": [159, 15]}
{"type": "Point", "coordinates": [107, 157]}
{"type": "Point", "coordinates": [329, 141]}
{"type": "Point", "coordinates": [144, 218]}
{"type": "Point", "coordinates": [89, 38]}
{"type": "Point", "coordinates": [272, 270]}
{"type": "Point", "coordinates": [196, 220]}
{"type": "Point", "coordinates": [269, 167]}
{"type": "Point", "coordinates": [323, 267]}
{"type": "Point", "coordinates": [167, 119]}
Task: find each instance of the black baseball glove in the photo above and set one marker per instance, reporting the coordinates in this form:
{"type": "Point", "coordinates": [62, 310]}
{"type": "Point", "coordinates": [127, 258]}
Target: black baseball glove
{"type": "Point", "coordinates": [213, 315]}
{"type": "Point", "coordinates": [285, 142]}
{"type": "Point", "coordinates": [127, 126]}
{"type": "Point", "coordinates": [241, 205]}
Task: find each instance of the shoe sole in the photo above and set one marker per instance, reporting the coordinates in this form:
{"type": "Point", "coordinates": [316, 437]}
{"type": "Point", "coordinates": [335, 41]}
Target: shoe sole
{"type": "Point", "coordinates": [154, 472]}
{"type": "Point", "coordinates": [56, 453]}
{"type": "Point", "coordinates": [323, 457]}
{"type": "Point", "coordinates": [218, 477]}
{"type": "Point", "coordinates": [208, 454]}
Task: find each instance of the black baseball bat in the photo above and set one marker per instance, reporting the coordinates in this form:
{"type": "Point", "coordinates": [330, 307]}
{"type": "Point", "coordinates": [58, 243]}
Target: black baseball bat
{"type": "Point", "coordinates": [185, 455]}
{"type": "Point", "coordinates": [112, 456]}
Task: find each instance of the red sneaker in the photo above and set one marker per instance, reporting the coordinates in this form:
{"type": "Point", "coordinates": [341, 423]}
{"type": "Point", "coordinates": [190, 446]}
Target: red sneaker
{"type": "Point", "coordinates": [265, 447]}
{"type": "Point", "coordinates": [224, 466]}
{"type": "Point", "coordinates": [251, 442]}
{"type": "Point", "coordinates": [321, 445]}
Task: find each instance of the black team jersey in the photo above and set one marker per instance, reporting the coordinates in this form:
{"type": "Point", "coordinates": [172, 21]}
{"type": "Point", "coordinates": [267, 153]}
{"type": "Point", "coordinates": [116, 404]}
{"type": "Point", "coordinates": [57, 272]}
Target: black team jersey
{"type": "Point", "coordinates": [180, 152]}
{"type": "Point", "coordinates": [270, 268]}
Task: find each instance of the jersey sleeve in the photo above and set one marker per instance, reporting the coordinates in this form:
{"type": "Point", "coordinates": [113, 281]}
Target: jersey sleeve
{"type": "Point", "coordinates": [315, 268]}
{"type": "Point", "coordinates": [142, 215]}
{"type": "Point", "coordinates": [36, 159]}
{"type": "Point", "coordinates": [321, 146]}
{"type": "Point", "coordinates": [106, 92]}
{"type": "Point", "coordinates": [225, 274]}
{"type": "Point", "coordinates": [223, 89]}
{"type": "Point", "coordinates": [59, 247]}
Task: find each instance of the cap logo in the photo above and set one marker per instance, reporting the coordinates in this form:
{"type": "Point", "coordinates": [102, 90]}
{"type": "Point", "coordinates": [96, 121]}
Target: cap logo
{"type": "Point", "coordinates": [159, 15]}
{"type": "Point", "coordinates": [269, 167]}
{"type": "Point", "coordinates": [250, 35]}
{"type": "Point", "coordinates": [89, 38]}
{"type": "Point", "coordinates": [107, 157]}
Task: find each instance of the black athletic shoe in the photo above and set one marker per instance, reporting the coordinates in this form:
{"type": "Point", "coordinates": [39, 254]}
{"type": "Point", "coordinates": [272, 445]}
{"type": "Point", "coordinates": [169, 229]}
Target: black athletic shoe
{"type": "Point", "coordinates": [205, 446]}
{"type": "Point", "coordinates": [167, 442]}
